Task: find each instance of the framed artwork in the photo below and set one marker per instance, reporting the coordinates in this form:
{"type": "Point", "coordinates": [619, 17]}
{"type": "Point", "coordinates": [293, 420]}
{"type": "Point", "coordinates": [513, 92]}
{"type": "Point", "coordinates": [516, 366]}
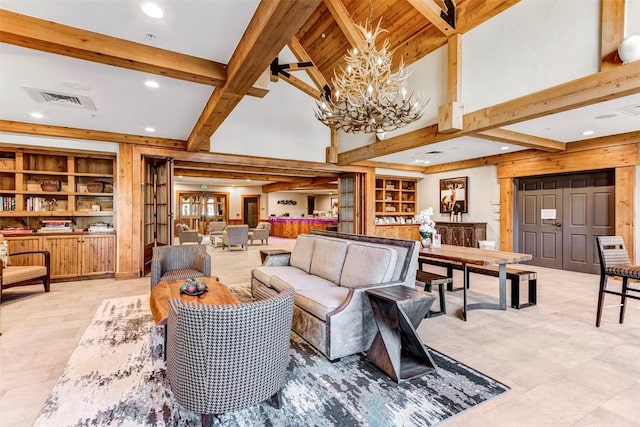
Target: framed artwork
{"type": "Point", "coordinates": [453, 195]}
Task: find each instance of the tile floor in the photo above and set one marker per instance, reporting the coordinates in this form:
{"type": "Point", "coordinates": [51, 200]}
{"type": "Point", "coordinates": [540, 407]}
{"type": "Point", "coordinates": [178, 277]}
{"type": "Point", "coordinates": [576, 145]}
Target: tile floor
{"type": "Point", "coordinates": [561, 369]}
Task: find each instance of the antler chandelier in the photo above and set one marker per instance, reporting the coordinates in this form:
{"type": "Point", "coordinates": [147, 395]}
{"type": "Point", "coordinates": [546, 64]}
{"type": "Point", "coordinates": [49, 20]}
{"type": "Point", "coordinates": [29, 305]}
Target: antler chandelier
{"type": "Point", "coordinates": [368, 97]}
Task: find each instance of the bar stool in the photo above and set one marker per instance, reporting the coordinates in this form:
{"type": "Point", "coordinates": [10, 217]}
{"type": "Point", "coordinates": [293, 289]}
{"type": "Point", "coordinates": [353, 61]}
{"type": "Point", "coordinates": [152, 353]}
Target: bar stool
{"type": "Point", "coordinates": [614, 262]}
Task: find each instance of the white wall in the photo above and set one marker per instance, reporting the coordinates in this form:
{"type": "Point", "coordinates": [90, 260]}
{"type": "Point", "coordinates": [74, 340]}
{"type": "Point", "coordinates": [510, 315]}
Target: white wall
{"type": "Point", "coordinates": [484, 187]}
{"type": "Point", "coordinates": [58, 143]}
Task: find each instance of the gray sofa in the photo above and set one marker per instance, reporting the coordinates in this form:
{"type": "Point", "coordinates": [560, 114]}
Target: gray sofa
{"type": "Point", "coordinates": [330, 273]}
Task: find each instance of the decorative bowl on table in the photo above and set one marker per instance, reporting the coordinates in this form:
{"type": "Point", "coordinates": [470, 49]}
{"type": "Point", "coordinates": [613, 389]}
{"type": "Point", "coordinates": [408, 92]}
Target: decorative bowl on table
{"type": "Point", "coordinates": [193, 287]}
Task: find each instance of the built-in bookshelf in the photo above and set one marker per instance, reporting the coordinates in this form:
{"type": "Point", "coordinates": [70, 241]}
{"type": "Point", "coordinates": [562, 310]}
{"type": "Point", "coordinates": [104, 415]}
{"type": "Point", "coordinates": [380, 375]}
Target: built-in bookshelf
{"type": "Point", "coordinates": [396, 196]}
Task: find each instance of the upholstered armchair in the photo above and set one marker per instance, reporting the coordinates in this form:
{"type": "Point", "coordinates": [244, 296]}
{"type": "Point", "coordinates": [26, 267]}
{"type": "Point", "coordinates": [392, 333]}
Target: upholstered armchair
{"type": "Point", "coordinates": [261, 232]}
{"type": "Point", "coordinates": [179, 262]}
{"type": "Point", "coordinates": [216, 227]}
{"type": "Point", "coordinates": [214, 371]}
{"type": "Point", "coordinates": [235, 235]}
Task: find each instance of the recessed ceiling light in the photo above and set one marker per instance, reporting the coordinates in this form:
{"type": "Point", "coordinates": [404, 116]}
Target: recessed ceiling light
{"type": "Point", "coordinates": [152, 83]}
{"type": "Point", "coordinates": [504, 147]}
{"type": "Point", "coordinates": [587, 133]}
{"type": "Point", "coordinates": [150, 129]}
{"type": "Point", "coordinates": [36, 115]}
{"type": "Point", "coordinates": [606, 116]}
{"type": "Point", "coordinates": [152, 10]}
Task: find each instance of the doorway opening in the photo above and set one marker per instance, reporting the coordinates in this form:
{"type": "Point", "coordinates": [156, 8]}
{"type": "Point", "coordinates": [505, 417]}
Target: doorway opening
{"type": "Point", "coordinates": [251, 210]}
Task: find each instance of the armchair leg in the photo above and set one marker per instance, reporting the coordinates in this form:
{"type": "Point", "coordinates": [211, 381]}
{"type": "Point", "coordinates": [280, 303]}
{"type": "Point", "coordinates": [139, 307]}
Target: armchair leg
{"type": "Point", "coordinates": [276, 400]}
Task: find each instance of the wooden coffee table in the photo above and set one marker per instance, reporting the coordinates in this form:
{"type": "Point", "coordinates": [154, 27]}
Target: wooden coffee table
{"type": "Point", "coordinates": [217, 294]}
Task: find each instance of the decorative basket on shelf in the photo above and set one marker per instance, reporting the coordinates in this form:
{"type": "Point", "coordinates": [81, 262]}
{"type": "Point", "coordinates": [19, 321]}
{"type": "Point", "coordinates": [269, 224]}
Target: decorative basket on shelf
{"type": "Point", "coordinates": [95, 187]}
{"type": "Point", "coordinates": [49, 185]}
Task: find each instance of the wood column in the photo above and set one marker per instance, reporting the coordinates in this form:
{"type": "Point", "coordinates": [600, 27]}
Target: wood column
{"type": "Point", "coordinates": [125, 266]}
{"type": "Point", "coordinates": [611, 32]}
{"type": "Point", "coordinates": [625, 204]}
{"type": "Point", "coordinates": [507, 205]}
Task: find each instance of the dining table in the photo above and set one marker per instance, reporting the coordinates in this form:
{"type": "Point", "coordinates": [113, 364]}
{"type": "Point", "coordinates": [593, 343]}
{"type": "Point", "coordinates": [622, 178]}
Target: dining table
{"type": "Point", "coordinates": [463, 256]}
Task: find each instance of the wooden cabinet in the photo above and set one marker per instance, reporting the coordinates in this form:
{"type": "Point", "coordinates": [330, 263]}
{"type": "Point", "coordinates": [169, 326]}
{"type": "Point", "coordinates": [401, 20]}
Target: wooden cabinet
{"type": "Point", "coordinates": [395, 196]}
{"type": "Point", "coordinates": [398, 231]}
{"type": "Point", "coordinates": [38, 185]}
{"type": "Point", "coordinates": [462, 233]}
{"type": "Point", "coordinates": [72, 255]}
{"type": "Point", "coordinates": [97, 254]}
{"type": "Point", "coordinates": [65, 259]}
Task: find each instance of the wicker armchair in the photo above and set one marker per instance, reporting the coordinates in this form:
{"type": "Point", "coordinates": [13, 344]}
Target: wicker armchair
{"type": "Point", "coordinates": [213, 371]}
{"type": "Point", "coordinates": [261, 232]}
{"type": "Point", "coordinates": [179, 262]}
{"type": "Point", "coordinates": [235, 235]}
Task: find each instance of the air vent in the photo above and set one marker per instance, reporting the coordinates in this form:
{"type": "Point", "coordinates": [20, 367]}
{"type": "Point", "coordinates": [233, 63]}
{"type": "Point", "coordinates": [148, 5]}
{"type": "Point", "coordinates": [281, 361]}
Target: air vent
{"type": "Point", "coordinates": [433, 152]}
{"type": "Point", "coordinates": [59, 98]}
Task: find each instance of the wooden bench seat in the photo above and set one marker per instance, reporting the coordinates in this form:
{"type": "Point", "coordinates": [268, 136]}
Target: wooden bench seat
{"type": "Point", "coordinates": [19, 275]}
{"type": "Point", "coordinates": [513, 274]}
{"type": "Point", "coordinates": [428, 280]}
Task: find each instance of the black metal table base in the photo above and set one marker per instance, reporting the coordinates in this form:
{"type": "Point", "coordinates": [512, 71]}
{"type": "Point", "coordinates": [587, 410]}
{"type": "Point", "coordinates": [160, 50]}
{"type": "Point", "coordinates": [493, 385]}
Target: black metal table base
{"type": "Point", "coordinates": [502, 285]}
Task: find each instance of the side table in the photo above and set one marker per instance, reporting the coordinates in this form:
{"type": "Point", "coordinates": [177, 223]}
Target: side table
{"type": "Point", "coordinates": [265, 253]}
{"type": "Point", "coordinates": [397, 349]}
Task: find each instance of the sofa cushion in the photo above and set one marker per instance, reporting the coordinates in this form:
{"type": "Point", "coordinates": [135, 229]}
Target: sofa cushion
{"type": "Point", "coordinates": [321, 302]}
{"type": "Point", "coordinates": [300, 282]}
{"type": "Point", "coordinates": [328, 258]}
{"type": "Point", "coordinates": [303, 252]}
{"type": "Point", "coordinates": [265, 273]}
{"type": "Point", "coordinates": [365, 265]}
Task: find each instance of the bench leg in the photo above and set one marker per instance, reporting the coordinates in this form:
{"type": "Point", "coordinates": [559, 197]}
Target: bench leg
{"type": "Point", "coordinates": [441, 298]}
{"type": "Point", "coordinates": [515, 293]}
{"type": "Point", "coordinates": [623, 297]}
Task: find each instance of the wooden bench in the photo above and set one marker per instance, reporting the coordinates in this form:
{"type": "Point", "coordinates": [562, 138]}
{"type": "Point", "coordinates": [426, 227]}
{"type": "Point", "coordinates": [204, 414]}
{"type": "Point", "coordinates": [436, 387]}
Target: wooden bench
{"type": "Point", "coordinates": [19, 275]}
{"type": "Point", "coordinates": [428, 280]}
{"type": "Point", "coordinates": [513, 274]}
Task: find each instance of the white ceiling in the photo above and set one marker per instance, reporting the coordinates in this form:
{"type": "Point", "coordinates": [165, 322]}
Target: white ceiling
{"type": "Point", "coordinates": [211, 29]}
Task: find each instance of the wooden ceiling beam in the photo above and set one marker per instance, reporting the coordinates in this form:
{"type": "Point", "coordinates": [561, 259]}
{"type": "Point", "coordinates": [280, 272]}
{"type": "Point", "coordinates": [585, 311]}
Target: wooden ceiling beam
{"type": "Point", "coordinates": [302, 56]}
{"type": "Point", "coordinates": [230, 175]}
{"type": "Point", "coordinates": [603, 86]}
{"type": "Point", "coordinates": [612, 17]}
{"type": "Point", "coordinates": [300, 183]}
{"type": "Point", "coordinates": [88, 134]}
{"type": "Point", "coordinates": [299, 84]}
{"type": "Point", "coordinates": [39, 34]}
{"type": "Point", "coordinates": [430, 10]}
{"type": "Point", "coordinates": [572, 147]}
{"type": "Point", "coordinates": [521, 139]}
{"type": "Point", "coordinates": [345, 22]}
{"type": "Point", "coordinates": [273, 24]}
{"type": "Point", "coordinates": [251, 169]}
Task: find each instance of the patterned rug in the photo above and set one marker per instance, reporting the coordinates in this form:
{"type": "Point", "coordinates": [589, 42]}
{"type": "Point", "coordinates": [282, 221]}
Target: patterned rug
{"type": "Point", "coordinates": [116, 377]}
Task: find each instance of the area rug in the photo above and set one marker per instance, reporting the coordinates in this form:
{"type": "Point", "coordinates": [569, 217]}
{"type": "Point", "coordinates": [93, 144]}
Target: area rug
{"type": "Point", "coordinates": [116, 377]}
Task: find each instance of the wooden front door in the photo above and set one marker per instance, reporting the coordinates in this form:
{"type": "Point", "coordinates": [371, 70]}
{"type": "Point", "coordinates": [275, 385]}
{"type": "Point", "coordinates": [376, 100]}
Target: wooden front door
{"type": "Point", "coordinates": [559, 217]}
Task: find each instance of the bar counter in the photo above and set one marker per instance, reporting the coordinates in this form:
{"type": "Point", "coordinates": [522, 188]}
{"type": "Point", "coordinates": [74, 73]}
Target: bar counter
{"type": "Point", "coordinates": [289, 227]}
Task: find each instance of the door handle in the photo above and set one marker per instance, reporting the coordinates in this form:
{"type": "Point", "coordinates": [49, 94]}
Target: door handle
{"type": "Point", "coordinates": [558, 224]}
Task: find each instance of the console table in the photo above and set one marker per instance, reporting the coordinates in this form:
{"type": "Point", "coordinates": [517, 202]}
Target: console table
{"type": "Point", "coordinates": [397, 349]}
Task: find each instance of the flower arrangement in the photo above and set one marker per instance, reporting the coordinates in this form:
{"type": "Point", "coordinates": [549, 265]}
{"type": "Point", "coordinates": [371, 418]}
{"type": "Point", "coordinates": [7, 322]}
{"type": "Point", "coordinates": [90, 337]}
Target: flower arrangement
{"type": "Point", "coordinates": [427, 225]}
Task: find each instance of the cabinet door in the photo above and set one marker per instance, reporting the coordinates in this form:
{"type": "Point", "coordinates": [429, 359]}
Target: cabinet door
{"type": "Point", "coordinates": [98, 255]}
{"type": "Point", "coordinates": [64, 250]}
{"type": "Point", "coordinates": [25, 244]}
